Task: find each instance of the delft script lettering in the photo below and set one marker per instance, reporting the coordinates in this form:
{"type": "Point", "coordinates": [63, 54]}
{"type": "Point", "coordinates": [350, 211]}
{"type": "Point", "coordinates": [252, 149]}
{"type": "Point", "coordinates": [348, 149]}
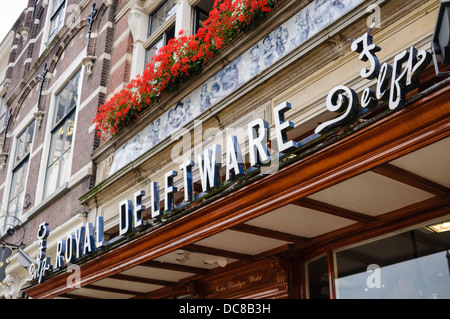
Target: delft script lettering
{"type": "Point", "coordinates": [392, 82]}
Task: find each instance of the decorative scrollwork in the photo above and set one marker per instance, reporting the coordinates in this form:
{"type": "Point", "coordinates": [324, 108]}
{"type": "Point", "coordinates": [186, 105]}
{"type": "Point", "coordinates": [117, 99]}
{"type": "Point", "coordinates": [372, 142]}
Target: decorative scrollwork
{"type": "Point", "coordinates": [10, 226]}
{"type": "Point", "coordinates": [341, 99]}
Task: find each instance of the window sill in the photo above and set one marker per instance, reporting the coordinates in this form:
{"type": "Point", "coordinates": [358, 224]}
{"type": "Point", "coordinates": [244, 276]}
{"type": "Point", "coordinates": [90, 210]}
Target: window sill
{"type": "Point", "coordinates": [63, 189]}
{"type": "Point", "coordinates": [76, 179]}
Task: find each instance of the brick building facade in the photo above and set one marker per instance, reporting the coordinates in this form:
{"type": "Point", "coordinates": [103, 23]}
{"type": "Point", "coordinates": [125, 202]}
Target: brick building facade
{"type": "Point", "coordinates": [54, 81]}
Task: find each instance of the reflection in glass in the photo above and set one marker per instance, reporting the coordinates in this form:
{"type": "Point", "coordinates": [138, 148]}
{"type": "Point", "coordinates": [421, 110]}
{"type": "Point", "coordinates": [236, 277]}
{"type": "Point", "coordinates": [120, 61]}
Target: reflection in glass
{"type": "Point", "coordinates": [411, 265]}
{"type": "Point", "coordinates": [161, 15]}
{"type": "Point", "coordinates": [24, 141]}
{"type": "Point", "coordinates": [57, 17]}
{"type": "Point", "coordinates": [153, 49]}
{"type": "Point", "coordinates": [61, 105]}
{"type": "Point", "coordinates": [29, 138]}
{"type": "Point", "coordinates": [2, 113]}
{"type": "Point", "coordinates": [73, 97]}
{"type": "Point", "coordinates": [18, 181]}
{"type": "Point", "coordinates": [57, 171]}
{"type": "Point", "coordinates": [19, 150]}
{"type": "Point", "coordinates": [318, 283]}
{"type": "Point", "coordinates": [52, 177]}
{"type": "Point", "coordinates": [66, 99]}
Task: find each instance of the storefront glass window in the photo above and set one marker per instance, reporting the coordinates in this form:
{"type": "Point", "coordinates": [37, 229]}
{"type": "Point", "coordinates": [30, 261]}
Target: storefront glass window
{"type": "Point", "coordinates": [411, 265]}
{"type": "Point", "coordinates": [318, 278]}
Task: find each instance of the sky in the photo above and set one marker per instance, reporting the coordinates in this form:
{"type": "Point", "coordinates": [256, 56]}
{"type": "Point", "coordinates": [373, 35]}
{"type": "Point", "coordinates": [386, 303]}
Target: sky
{"type": "Point", "coordinates": [10, 11]}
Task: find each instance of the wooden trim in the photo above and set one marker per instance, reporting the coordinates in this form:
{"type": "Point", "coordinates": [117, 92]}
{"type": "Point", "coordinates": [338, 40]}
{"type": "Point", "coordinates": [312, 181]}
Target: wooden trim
{"type": "Point", "coordinates": [333, 210]}
{"type": "Point", "coordinates": [175, 267]}
{"type": "Point", "coordinates": [145, 280]}
{"type": "Point", "coordinates": [113, 290]}
{"type": "Point", "coordinates": [399, 219]}
{"type": "Point", "coordinates": [265, 278]}
{"type": "Point", "coordinates": [250, 229]}
{"type": "Point", "coordinates": [411, 179]}
{"type": "Point", "coordinates": [331, 275]}
{"type": "Point", "coordinates": [73, 296]}
{"type": "Point", "coordinates": [217, 252]}
{"type": "Point", "coordinates": [417, 125]}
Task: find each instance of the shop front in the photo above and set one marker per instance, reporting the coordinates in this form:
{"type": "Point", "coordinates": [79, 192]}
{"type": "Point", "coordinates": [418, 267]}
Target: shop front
{"type": "Point", "coordinates": [311, 205]}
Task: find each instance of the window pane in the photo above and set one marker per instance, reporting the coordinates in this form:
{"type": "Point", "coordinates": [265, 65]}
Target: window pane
{"type": "Point", "coordinates": [65, 173]}
{"type": "Point", "coordinates": [24, 142]}
{"type": "Point", "coordinates": [73, 96]}
{"type": "Point", "coordinates": [29, 138]}
{"type": "Point", "coordinates": [162, 41]}
{"type": "Point", "coordinates": [2, 113]}
{"type": "Point", "coordinates": [201, 13]}
{"type": "Point", "coordinates": [12, 211]}
{"type": "Point", "coordinates": [61, 105]}
{"type": "Point", "coordinates": [2, 121]}
{"type": "Point", "coordinates": [20, 149]}
{"type": "Point", "coordinates": [61, 144]}
{"type": "Point", "coordinates": [162, 14]}
{"type": "Point", "coordinates": [52, 177]}
{"type": "Point", "coordinates": [66, 99]}
{"type": "Point", "coordinates": [22, 176]}
{"type": "Point", "coordinates": [170, 34]}
{"type": "Point", "coordinates": [411, 265]}
{"type": "Point", "coordinates": [15, 185]}
{"type": "Point", "coordinates": [56, 5]}
{"type": "Point", "coordinates": [151, 51]}
{"type": "Point", "coordinates": [17, 190]}
{"type": "Point", "coordinates": [318, 279]}
{"type": "Point", "coordinates": [57, 143]}
{"type": "Point", "coordinates": [56, 21]}
{"type": "Point", "coordinates": [18, 180]}
{"type": "Point", "coordinates": [69, 132]}
{"type": "Point", "coordinates": [202, 17]}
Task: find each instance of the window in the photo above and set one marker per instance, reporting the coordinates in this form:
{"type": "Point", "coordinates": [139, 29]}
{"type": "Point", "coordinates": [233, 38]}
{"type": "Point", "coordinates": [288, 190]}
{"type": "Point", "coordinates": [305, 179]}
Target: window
{"type": "Point", "coordinates": [62, 134]}
{"type": "Point", "coordinates": [57, 17]}
{"type": "Point", "coordinates": [411, 265]}
{"type": "Point", "coordinates": [201, 13]}
{"type": "Point", "coordinates": [157, 19]}
{"type": "Point", "coordinates": [159, 43]}
{"type": "Point", "coordinates": [161, 15]}
{"type": "Point", "coordinates": [2, 114]}
{"type": "Point", "coordinates": [21, 160]}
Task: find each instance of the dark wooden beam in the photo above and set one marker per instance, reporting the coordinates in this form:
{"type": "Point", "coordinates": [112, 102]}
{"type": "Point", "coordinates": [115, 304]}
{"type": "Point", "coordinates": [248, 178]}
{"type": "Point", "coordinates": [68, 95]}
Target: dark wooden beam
{"type": "Point", "coordinates": [411, 179]}
{"type": "Point", "coordinates": [175, 267]}
{"type": "Point", "coordinates": [217, 252]}
{"type": "Point", "coordinates": [269, 233]}
{"type": "Point", "coordinates": [144, 280]}
{"type": "Point", "coordinates": [113, 290]}
{"type": "Point", "coordinates": [333, 210]}
{"type": "Point", "coordinates": [73, 296]}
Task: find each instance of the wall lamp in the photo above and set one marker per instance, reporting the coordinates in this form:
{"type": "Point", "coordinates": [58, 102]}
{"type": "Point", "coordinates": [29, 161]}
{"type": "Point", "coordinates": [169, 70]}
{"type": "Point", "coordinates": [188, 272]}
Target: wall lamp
{"type": "Point", "coordinates": [440, 44]}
